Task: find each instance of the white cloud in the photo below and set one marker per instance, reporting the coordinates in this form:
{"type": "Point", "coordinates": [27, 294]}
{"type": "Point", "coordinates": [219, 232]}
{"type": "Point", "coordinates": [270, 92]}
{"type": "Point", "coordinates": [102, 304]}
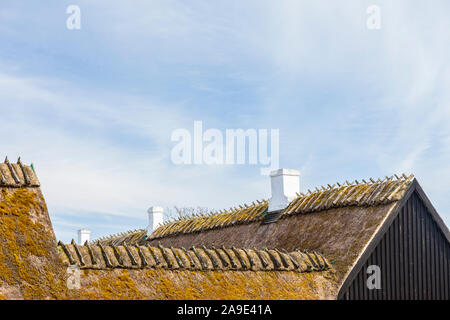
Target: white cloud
{"type": "Point", "coordinates": [348, 101]}
{"type": "Point", "coordinates": [94, 173]}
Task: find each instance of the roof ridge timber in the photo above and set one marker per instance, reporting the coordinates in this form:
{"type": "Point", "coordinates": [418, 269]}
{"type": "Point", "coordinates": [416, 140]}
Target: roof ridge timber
{"type": "Point", "coordinates": [356, 193]}
{"type": "Point", "coordinates": [17, 175]}
{"type": "Point", "coordinates": [196, 258]}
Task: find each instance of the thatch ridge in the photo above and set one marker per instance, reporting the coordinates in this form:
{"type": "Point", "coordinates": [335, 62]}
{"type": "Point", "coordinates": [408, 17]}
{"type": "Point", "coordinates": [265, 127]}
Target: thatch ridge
{"type": "Point", "coordinates": [197, 223]}
{"type": "Point", "coordinates": [365, 193]}
{"type": "Point", "coordinates": [201, 258]}
{"type": "Point", "coordinates": [356, 193]}
{"type": "Point", "coordinates": [17, 175]}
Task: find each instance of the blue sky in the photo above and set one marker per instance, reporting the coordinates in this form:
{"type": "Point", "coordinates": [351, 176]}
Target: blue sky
{"type": "Point", "coordinates": [94, 108]}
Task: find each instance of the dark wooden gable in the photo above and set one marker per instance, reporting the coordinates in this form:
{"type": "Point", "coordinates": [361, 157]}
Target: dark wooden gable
{"type": "Point", "coordinates": [412, 249]}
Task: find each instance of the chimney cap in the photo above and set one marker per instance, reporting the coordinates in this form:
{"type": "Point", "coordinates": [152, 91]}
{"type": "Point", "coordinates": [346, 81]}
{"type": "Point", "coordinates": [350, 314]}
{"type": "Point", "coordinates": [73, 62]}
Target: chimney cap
{"type": "Point", "coordinates": [155, 209]}
{"type": "Point", "coordinates": [285, 172]}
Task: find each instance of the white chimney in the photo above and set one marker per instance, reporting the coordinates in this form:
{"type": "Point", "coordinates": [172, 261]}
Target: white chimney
{"type": "Point", "coordinates": [155, 218]}
{"type": "Point", "coordinates": [83, 236]}
{"type": "Point", "coordinates": [285, 184]}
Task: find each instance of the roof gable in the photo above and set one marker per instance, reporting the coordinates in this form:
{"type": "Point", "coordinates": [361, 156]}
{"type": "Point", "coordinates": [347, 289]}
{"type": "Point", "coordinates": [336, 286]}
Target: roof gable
{"type": "Point", "coordinates": [414, 188]}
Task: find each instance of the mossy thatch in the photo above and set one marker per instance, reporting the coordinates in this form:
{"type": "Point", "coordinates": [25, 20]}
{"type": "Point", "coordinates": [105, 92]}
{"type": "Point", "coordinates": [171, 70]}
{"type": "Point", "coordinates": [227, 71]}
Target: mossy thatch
{"type": "Point", "coordinates": [194, 285]}
{"type": "Point", "coordinates": [340, 234]}
{"type": "Point", "coordinates": [30, 267]}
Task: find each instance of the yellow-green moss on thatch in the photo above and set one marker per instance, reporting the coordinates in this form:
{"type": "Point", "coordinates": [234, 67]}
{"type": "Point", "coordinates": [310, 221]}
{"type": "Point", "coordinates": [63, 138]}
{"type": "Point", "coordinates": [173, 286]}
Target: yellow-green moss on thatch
{"type": "Point", "coordinates": [29, 263]}
{"type": "Point", "coordinates": [190, 285]}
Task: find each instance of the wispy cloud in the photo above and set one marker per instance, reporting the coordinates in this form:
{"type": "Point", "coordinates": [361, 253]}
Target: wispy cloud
{"type": "Point", "coordinates": [94, 108]}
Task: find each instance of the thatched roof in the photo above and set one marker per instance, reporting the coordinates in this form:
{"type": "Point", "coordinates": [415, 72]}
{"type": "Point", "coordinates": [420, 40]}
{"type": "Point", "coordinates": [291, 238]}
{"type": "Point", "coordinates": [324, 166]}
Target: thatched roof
{"type": "Point", "coordinates": [361, 194]}
{"type": "Point", "coordinates": [219, 256]}
{"type": "Point", "coordinates": [33, 266]}
{"type": "Point", "coordinates": [338, 220]}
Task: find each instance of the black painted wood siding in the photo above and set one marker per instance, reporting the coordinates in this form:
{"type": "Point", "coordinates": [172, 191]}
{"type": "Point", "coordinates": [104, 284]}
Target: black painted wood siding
{"type": "Point", "coordinates": [414, 258]}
